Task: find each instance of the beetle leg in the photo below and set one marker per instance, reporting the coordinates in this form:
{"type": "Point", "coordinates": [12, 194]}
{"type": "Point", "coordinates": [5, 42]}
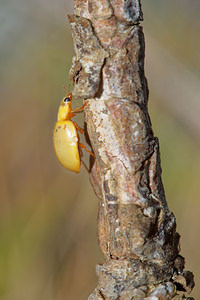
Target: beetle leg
{"type": "Point", "coordinates": [78, 128]}
{"type": "Point", "coordinates": [80, 108]}
{"type": "Point", "coordinates": [81, 155]}
{"type": "Point", "coordinates": [83, 146]}
{"type": "Point", "coordinates": [85, 166]}
{"type": "Point", "coordinates": [71, 115]}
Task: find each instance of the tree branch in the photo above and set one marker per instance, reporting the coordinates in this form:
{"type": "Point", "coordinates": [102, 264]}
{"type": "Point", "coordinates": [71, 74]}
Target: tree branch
{"type": "Point", "coordinates": [136, 230]}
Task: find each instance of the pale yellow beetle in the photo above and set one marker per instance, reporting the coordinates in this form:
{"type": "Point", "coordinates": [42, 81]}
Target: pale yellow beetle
{"type": "Point", "coordinates": [65, 136]}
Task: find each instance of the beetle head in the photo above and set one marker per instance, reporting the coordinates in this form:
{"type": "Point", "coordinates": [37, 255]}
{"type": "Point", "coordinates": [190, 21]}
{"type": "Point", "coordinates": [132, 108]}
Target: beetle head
{"type": "Point", "coordinates": [65, 107]}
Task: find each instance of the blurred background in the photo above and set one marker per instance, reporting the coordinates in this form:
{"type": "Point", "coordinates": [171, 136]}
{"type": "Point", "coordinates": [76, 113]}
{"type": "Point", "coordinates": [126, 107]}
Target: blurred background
{"type": "Point", "coordinates": [48, 244]}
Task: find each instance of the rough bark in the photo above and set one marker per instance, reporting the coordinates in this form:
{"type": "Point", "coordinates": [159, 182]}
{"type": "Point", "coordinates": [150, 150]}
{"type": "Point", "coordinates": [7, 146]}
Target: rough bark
{"type": "Point", "coordinates": [136, 230]}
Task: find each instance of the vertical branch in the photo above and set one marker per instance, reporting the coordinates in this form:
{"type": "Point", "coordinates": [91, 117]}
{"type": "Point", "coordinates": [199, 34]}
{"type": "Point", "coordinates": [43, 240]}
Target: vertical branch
{"type": "Point", "coordinates": [136, 230]}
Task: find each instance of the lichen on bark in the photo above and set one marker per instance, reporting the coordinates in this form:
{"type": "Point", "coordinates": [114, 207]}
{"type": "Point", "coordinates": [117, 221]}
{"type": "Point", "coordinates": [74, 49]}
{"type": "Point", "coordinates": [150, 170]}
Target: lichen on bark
{"type": "Point", "coordinates": [136, 230]}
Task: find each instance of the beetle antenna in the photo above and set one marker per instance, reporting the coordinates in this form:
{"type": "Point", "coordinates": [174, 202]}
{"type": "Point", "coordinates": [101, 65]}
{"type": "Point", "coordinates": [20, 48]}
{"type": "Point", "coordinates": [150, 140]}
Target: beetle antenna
{"type": "Point", "coordinates": [64, 89]}
{"type": "Point", "coordinates": [69, 88]}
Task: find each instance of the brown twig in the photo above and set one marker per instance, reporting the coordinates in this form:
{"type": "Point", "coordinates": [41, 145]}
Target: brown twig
{"type": "Point", "coordinates": [136, 230]}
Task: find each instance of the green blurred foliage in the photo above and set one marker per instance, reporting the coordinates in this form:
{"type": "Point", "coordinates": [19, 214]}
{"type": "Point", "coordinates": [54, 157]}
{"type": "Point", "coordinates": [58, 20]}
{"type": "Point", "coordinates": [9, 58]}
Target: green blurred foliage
{"type": "Point", "coordinates": [48, 244]}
